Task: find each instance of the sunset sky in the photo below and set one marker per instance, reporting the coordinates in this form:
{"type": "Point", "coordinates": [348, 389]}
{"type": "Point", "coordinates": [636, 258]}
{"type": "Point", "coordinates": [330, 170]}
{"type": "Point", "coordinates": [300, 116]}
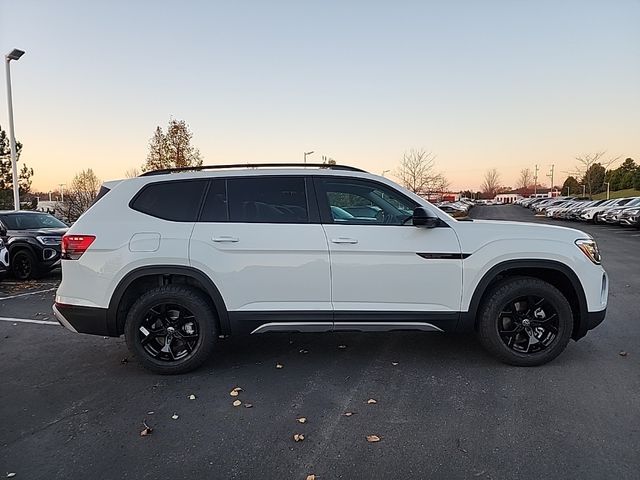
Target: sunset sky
{"type": "Point", "coordinates": [504, 84]}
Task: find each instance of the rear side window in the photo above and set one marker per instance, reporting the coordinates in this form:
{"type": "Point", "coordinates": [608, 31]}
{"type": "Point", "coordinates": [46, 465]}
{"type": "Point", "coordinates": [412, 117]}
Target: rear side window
{"type": "Point", "coordinates": [178, 201]}
{"type": "Point", "coordinates": [215, 205]}
{"type": "Point", "coordinates": [267, 200]}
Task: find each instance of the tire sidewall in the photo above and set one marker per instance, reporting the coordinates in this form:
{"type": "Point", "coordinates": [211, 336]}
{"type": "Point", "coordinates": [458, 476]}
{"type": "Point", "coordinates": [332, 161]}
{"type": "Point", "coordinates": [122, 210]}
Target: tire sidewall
{"type": "Point", "coordinates": [32, 260]}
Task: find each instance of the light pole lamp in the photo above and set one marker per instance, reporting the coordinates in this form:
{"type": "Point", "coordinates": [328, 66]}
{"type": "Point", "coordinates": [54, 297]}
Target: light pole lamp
{"type": "Point", "coordinates": [305, 155]}
{"type": "Point", "coordinates": [15, 54]}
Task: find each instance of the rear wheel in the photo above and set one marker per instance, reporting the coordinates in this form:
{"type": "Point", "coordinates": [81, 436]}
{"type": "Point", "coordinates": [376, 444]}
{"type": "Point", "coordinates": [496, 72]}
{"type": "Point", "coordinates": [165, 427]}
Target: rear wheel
{"type": "Point", "coordinates": [24, 265]}
{"type": "Point", "coordinates": [171, 329]}
{"type": "Point", "coordinates": [525, 321]}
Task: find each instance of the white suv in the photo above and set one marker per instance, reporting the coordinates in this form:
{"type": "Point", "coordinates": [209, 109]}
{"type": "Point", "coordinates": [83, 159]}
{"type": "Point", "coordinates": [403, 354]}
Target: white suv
{"type": "Point", "coordinates": [175, 258]}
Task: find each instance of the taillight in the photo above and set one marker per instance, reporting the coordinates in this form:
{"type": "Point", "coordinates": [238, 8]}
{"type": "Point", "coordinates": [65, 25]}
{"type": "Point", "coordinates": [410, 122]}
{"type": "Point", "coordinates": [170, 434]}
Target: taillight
{"type": "Point", "coordinates": [73, 246]}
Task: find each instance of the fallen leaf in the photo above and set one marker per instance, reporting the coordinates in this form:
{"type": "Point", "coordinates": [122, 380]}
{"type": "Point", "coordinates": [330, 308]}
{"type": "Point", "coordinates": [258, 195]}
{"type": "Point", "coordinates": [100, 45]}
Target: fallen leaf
{"type": "Point", "coordinates": [371, 401]}
{"type": "Point", "coordinates": [311, 477]}
{"type": "Point", "coordinates": [279, 365]}
{"type": "Point", "coordinates": [233, 393]}
{"type": "Point", "coordinates": [373, 438]}
{"type": "Point", "coordinates": [304, 351]}
{"type": "Point", "coordinates": [11, 474]}
{"type": "Point", "coordinates": [248, 405]}
{"type": "Point", "coordinates": [237, 389]}
{"type": "Point", "coordinates": [394, 363]}
{"type": "Point", "coordinates": [298, 437]}
{"type": "Point", "coordinates": [237, 403]}
{"type": "Point", "coordinates": [192, 397]}
{"type": "Point", "coordinates": [147, 430]}
{"type": "Point", "coordinates": [175, 416]}
{"type": "Point", "coordinates": [342, 347]}
{"type": "Point", "coordinates": [124, 361]}
{"type": "Point", "coordinates": [348, 414]}
{"type": "Point", "coordinates": [150, 413]}
{"type": "Point", "coordinates": [302, 419]}
{"type": "Point", "coordinates": [623, 353]}
{"type": "Point", "coordinates": [479, 474]}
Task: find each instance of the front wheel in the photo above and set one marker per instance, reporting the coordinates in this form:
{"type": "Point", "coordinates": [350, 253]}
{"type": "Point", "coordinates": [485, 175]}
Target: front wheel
{"type": "Point", "coordinates": [24, 265]}
{"type": "Point", "coordinates": [525, 322]}
{"type": "Point", "coordinates": [171, 329]}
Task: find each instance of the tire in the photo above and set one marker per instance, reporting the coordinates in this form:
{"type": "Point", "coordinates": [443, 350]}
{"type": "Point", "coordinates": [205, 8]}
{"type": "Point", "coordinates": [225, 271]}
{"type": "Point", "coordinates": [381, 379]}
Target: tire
{"type": "Point", "coordinates": [24, 265]}
{"type": "Point", "coordinates": [152, 320]}
{"type": "Point", "coordinates": [505, 329]}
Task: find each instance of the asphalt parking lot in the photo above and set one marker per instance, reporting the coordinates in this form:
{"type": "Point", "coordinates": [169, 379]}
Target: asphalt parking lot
{"type": "Point", "coordinates": [73, 406]}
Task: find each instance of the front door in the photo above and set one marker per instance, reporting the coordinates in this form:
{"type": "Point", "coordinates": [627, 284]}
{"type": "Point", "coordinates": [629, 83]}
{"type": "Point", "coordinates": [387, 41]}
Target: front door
{"type": "Point", "coordinates": [386, 273]}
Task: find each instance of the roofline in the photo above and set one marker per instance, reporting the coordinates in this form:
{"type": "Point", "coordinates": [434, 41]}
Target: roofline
{"type": "Point", "coordinates": [252, 166]}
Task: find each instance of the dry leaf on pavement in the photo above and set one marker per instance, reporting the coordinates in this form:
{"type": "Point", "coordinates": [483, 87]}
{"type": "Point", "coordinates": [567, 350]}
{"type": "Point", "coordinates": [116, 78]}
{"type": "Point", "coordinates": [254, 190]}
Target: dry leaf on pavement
{"type": "Point", "coordinates": [147, 430]}
{"type": "Point", "coordinates": [311, 477]}
{"type": "Point", "coordinates": [298, 437]}
{"type": "Point", "coordinates": [248, 405]}
{"type": "Point", "coordinates": [192, 397]}
{"type": "Point", "coordinates": [623, 353]}
{"type": "Point", "coordinates": [279, 365]}
{"type": "Point", "coordinates": [342, 347]}
{"type": "Point", "coordinates": [302, 419]}
{"type": "Point", "coordinates": [175, 416]}
{"type": "Point", "coordinates": [348, 414]}
{"type": "Point", "coordinates": [237, 403]}
{"type": "Point", "coordinates": [372, 401]}
{"type": "Point", "coordinates": [373, 438]}
{"type": "Point", "coordinates": [394, 363]}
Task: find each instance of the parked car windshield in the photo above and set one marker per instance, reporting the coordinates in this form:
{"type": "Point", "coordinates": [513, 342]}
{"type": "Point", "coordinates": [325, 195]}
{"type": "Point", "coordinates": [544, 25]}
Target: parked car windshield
{"type": "Point", "coordinates": [29, 221]}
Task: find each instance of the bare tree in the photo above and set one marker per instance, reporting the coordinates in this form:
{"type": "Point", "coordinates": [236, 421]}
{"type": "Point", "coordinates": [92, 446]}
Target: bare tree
{"type": "Point", "coordinates": [491, 184]}
{"type": "Point", "coordinates": [590, 170]}
{"type": "Point", "coordinates": [172, 149]}
{"type": "Point", "coordinates": [132, 173]}
{"type": "Point", "coordinates": [80, 194]}
{"type": "Point", "coordinates": [417, 173]}
{"type": "Point", "coordinates": [525, 180]}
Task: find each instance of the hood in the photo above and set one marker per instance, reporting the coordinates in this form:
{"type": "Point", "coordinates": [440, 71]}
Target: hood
{"type": "Point", "coordinates": [37, 232]}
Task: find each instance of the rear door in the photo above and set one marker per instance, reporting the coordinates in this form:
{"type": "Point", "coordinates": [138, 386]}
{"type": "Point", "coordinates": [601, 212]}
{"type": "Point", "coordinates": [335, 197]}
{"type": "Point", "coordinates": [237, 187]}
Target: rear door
{"type": "Point", "coordinates": [386, 273]}
{"type": "Point", "coordinates": [260, 240]}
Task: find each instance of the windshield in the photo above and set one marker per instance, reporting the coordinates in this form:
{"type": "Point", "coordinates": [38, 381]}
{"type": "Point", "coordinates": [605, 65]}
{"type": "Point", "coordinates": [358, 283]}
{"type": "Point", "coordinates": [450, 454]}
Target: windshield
{"type": "Point", "coordinates": [31, 221]}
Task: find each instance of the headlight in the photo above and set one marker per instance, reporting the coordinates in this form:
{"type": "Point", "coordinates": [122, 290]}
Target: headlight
{"type": "Point", "coordinates": [590, 248]}
{"type": "Point", "coordinates": [49, 240]}
{"type": "Point", "coordinates": [635, 211]}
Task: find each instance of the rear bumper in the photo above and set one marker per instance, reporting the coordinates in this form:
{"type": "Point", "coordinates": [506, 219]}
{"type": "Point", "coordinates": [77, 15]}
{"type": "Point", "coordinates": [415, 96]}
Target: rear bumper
{"type": "Point", "coordinates": [81, 319]}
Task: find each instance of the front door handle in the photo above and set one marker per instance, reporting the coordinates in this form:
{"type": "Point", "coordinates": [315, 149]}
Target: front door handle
{"type": "Point", "coordinates": [343, 240]}
{"type": "Point", "coordinates": [226, 239]}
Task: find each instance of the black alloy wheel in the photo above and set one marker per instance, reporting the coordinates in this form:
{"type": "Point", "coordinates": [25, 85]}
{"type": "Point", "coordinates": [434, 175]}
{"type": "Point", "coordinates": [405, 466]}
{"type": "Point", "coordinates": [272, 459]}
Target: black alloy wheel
{"type": "Point", "coordinates": [23, 265]}
{"type": "Point", "coordinates": [171, 329]}
{"type": "Point", "coordinates": [169, 332]}
{"type": "Point", "coordinates": [528, 324]}
{"type": "Point", "coordinates": [525, 321]}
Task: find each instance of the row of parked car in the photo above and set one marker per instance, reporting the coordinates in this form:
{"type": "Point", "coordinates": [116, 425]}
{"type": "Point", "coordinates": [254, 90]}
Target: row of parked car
{"type": "Point", "coordinates": [616, 211]}
{"type": "Point", "coordinates": [456, 209]}
{"type": "Point", "coordinates": [30, 243]}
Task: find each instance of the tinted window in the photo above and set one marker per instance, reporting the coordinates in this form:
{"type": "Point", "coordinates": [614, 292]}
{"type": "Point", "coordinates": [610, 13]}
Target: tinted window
{"type": "Point", "coordinates": [267, 200]}
{"type": "Point", "coordinates": [215, 205]}
{"type": "Point", "coordinates": [364, 203]}
{"type": "Point", "coordinates": [31, 221]}
{"type": "Point", "coordinates": [178, 201]}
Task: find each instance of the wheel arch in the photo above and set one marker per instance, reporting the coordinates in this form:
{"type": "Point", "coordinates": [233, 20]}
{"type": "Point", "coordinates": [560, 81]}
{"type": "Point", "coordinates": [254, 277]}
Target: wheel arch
{"type": "Point", "coordinates": [554, 272]}
{"type": "Point", "coordinates": [143, 278]}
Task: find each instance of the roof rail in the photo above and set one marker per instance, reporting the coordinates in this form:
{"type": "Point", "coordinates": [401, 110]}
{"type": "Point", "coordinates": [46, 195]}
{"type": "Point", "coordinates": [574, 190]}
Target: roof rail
{"type": "Point", "coordinates": [250, 165]}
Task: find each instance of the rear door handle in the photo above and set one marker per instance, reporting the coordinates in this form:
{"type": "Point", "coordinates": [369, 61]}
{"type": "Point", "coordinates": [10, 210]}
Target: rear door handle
{"type": "Point", "coordinates": [344, 240]}
{"type": "Point", "coordinates": [226, 239]}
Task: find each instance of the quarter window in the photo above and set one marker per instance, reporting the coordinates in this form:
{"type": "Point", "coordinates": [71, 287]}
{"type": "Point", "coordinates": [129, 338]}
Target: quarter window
{"type": "Point", "coordinates": [267, 200]}
{"type": "Point", "coordinates": [176, 200]}
{"type": "Point", "coordinates": [215, 205]}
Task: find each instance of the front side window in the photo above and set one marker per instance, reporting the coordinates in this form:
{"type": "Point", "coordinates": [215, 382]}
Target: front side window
{"type": "Point", "coordinates": [361, 202]}
{"type": "Point", "coordinates": [176, 200]}
{"type": "Point", "coordinates": [267, 200]}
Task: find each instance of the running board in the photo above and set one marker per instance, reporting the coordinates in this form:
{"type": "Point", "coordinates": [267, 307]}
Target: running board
{"type": "Point", "coordinates": [345, 326]}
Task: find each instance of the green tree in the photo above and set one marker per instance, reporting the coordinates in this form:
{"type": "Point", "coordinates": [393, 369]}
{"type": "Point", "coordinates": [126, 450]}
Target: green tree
{"type": "Point", "coordinates": [571, 185]}
{"type": "Point", "coordinates": [594, 178]}
{"type": "Point", "coordinates": [636, 180]}
{"type": "Point", "coordinates": [172, 149]}
{"type": "Point", "coordinates": [6, 175]}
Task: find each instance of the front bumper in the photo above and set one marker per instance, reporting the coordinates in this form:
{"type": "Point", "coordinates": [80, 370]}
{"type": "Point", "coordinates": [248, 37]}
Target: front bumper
{"type": "Point", "coordinates": [80, 319]}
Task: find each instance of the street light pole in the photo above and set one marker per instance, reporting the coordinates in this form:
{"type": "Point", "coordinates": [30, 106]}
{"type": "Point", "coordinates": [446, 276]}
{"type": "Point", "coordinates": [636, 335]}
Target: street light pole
{"type": "Point", "coordinates": [305, 155]}
{"type": "Point", "coordinates": [15, 54]}
{"type": "Point", "coordinates": [607, 190]}
{"type": "Point", "coordinates": [61, 185]}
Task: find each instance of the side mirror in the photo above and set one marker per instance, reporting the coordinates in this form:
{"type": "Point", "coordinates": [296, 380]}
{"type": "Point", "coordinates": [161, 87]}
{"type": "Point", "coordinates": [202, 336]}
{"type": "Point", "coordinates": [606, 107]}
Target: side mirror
{"type": "Point", "coordinates": [424, 218]}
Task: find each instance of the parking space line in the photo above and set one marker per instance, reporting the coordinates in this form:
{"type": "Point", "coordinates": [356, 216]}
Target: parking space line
{"type": "Point", "coordinates": [25, 294]}
{"type": "Point", "coordinates": [27, 320]}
